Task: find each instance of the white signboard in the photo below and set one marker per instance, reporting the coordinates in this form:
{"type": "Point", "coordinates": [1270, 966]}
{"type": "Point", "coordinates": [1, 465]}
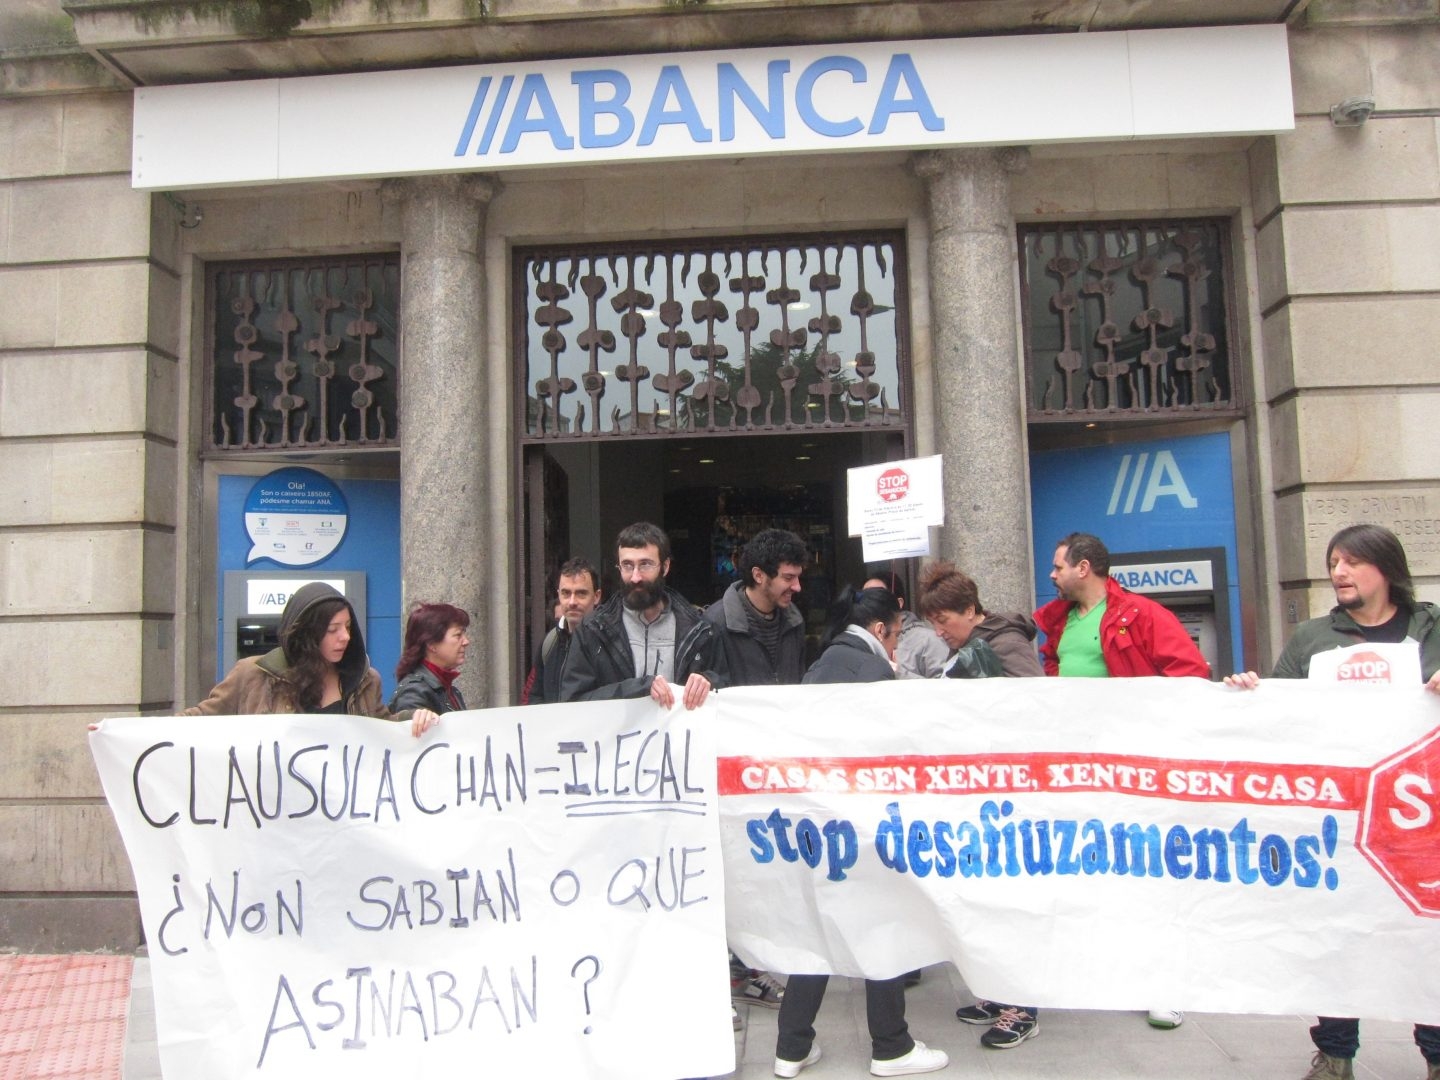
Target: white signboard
{"type": "Point", "coordinates": [1093, 843]}
{"type": "Point", "coordinates": [268, 596]}
{"type": "Point", "coordinates": [521, 892]}
{"type": "Point", "coordinates": [1166, 577]}
{"type": "Point", "coordinates": [1388, 664]}
{"type": "Point", "coordinates": [731, 103]}
{"type": "Point", "coordinates": [892, 506]}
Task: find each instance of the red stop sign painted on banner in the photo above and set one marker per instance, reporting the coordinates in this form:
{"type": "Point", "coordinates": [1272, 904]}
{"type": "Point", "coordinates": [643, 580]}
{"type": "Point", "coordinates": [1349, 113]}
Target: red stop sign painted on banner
{"type": "Point", "coordinates": [1365, 667]}
{"type": "Point", "coordinates": [1400, 825]}
{"type": "Point", "coordinates": [893, 484]}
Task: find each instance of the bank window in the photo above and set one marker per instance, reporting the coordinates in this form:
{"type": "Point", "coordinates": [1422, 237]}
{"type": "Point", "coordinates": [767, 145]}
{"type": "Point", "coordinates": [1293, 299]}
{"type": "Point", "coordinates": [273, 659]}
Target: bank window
{"type": "Point", "coordinates": [304, 355]}
{"type": "Point", "coordinates": [1127, 321]}
{"type": "Point", "coordinates": [773, 335]}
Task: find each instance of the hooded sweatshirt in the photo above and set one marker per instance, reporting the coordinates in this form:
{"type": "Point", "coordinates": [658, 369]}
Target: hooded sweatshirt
{"type": "Point", "coordinates": [1012, 637]}
{"type": "Point", "coordinates": [263, 684]}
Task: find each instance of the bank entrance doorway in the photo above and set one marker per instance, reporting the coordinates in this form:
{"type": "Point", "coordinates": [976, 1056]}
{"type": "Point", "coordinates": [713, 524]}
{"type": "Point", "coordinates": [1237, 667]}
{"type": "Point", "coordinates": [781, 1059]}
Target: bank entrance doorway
{"type": "Point", "coordinates": [715, 389]}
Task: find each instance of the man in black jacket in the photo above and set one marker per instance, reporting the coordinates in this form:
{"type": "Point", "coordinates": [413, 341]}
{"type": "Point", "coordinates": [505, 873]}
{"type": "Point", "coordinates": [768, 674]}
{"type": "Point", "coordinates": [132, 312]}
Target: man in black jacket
{"type": "Point", "coordinates": [764, 642]}
{"type": "Point", "coordinates": [647, 640]}
{"type": "Point", "coordinates": [579, 593]}
{"type": "Point", "coordinates": [763, 633]}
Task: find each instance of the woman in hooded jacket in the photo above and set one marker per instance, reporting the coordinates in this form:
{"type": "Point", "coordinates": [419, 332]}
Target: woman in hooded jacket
{"type": "Point", "coordinates": [951, 601]}
{"type": "Point", "coordinates": [320, 667]}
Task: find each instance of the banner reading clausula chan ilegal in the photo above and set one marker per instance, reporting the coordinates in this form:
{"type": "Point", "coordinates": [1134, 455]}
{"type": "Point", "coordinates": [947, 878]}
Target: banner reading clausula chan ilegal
{"type": "Point", "coordinates": [328, 896]}
{"type": "Point", "coordinates": [1094, 843]}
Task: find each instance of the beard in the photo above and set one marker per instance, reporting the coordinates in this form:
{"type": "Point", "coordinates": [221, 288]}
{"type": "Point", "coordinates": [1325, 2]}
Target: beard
{"type": "Point", "coordinates": [645, 595]}
{"type": "Point", "coordinates": [1352, 604]}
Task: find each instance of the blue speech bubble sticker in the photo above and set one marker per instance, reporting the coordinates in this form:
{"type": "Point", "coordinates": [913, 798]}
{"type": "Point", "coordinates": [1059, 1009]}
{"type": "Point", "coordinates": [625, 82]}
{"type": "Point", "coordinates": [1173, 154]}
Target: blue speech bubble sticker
{"type": "Point", "coordinates": [295, 517]}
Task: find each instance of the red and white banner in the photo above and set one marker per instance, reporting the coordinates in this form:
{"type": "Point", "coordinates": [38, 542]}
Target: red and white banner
{"type": "Point", "coordinates": [1094, 843]}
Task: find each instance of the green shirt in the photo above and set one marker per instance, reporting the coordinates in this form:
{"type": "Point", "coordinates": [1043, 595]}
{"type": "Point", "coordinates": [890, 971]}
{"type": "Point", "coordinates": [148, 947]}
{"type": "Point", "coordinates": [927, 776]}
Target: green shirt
{"type": "Point", "coordinates": [1079, 650]}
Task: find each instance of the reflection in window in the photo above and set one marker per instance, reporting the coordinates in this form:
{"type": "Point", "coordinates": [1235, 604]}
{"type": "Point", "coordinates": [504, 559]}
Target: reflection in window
{"type": "Point", "coordinates": [1126, 321]}
{"type": "Point", "coordinates": [303, 355]}
{"type": "Point", "coordinates": [729, 336]}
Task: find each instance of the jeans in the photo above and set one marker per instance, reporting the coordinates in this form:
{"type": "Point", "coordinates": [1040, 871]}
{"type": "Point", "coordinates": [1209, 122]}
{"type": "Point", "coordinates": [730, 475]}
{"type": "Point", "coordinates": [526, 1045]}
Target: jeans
{"type": "Point", "coordinates": [1339, 1036]}
{"type": "Point", "coordinates": [884, 1012]}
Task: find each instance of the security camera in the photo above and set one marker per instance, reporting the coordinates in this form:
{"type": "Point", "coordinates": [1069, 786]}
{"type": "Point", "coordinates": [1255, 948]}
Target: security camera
{"type": "Point", "coordinates": [1352, 112]}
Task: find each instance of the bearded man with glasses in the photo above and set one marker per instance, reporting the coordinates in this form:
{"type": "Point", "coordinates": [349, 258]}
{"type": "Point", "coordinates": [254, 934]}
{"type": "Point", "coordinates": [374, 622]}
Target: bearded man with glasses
{"type": "Point", "coordinates": [647, 640]}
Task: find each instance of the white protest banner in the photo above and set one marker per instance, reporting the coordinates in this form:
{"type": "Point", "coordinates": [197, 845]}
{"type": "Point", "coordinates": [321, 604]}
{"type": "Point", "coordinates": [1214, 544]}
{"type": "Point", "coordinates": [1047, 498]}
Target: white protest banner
{"type": "Point", "coordinates": [519, 892]}
{"type": "Point", "coordinates": [1093, 843]}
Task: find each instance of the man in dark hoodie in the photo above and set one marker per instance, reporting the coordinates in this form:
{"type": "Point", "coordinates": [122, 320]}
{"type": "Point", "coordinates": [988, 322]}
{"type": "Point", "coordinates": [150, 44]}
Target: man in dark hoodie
{"type": "Point", "coordinates": [762, 632]}
{"type": "Point", "coordinates": [320, 667]}
{"type": "Point", "coordinates": [647, 640]}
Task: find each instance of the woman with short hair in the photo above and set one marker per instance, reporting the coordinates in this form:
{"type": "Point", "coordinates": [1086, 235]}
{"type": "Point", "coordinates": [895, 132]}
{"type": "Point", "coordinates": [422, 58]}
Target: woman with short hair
{"type": "Point", "coordinates": [435, 646]}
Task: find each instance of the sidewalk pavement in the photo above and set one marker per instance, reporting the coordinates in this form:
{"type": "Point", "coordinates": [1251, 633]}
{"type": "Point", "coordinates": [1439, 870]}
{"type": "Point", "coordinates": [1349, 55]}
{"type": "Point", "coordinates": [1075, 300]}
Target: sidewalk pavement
{"type": "Point", "coordinates": [65, 1018]}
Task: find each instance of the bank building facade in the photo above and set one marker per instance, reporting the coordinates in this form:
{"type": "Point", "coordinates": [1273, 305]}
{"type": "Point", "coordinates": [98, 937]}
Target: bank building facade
{"type": "Point", "coordinates": [426, 296]}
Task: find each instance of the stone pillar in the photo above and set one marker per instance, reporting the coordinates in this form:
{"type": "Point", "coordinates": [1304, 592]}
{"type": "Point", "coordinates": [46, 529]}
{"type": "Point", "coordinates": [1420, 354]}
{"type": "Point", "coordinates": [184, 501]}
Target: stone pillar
{"type": "Point", "coordinates": [444, 502]}
{"type": "Point", "coordinates": [979, 403]}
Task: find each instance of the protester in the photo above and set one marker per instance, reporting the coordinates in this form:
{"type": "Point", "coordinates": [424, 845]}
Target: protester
{"type": "Point", "coordinates": [1097, 629]}
{"type": "Point", "coordinates": [647, 640]}
{"type": "Point", "coordinates": [578, 593]}
{"type": "Point", "coordinates": [1375, 603]}
{"type": "Point", "coordinates": [763, 635]}
{"type": "Point", "coordinates": [434, 650]}
{"type": "Point", "coordinates": [920, 654]}
{"type": "Point", "coordinates": [860, 647]}
{"type": "Point", "coordinates": [951, 601]}
{"type": "Point", "coordinates": [762, 631]}
{"type": "Point", "coordinates": [319, 667]}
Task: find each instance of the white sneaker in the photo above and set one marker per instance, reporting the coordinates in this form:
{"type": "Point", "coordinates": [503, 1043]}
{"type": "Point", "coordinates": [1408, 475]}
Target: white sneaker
{"type": "Point", "coordinates": [921, 1059]}
{"type": "Point", "coordinates": [1165, 1019]}
{"type": "Point", "coordinates": [792, 1068]}
{"type": "Point", "coordinates": [735, 1018]}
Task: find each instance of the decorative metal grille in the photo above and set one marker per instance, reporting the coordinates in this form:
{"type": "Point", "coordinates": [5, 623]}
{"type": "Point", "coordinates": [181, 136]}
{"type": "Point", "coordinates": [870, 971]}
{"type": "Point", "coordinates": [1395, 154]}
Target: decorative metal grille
{"type": "Point", "coordinates": [304, 355]}
{"type": "Point", "coordinates": [1126, 321]}
{"type": "Point", "coordinates": [726, 337]}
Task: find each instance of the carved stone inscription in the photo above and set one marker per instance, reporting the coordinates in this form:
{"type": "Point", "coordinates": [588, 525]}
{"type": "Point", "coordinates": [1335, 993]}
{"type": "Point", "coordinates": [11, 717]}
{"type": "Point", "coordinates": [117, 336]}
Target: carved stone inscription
{"type": "Point", "coordinates": [1413, 514]}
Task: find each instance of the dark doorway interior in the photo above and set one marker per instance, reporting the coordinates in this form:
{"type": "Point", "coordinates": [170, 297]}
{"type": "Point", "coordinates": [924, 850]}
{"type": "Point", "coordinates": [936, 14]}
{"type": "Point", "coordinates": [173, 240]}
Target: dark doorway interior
{"type": "Point", "coordinates": [710, 495]}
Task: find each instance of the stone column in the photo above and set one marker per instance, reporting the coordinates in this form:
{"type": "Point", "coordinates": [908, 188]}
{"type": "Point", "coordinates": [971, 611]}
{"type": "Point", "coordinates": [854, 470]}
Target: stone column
{"type": "Point", "coordinates": [444, 501]}
{"type": "Point", "coordinates": [979, 406]}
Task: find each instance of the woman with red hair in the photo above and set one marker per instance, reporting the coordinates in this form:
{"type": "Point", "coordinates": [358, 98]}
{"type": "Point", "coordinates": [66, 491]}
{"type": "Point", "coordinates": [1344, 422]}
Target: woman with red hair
{"type": "Point", "coordinates": [435, 644]}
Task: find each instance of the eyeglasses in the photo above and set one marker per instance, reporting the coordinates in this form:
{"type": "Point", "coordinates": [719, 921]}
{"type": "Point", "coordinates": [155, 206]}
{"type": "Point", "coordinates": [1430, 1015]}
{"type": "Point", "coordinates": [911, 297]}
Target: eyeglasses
{"type": "Point", "coordinates": [644, 566]}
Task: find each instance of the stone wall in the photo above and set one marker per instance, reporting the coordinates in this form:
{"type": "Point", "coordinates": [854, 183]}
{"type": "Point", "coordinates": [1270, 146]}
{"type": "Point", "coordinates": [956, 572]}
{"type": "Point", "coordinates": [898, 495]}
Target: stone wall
{"type": "Point", "coordinates": [1349, 272]}
{"type": "Point", "coordinates": [88, 295]}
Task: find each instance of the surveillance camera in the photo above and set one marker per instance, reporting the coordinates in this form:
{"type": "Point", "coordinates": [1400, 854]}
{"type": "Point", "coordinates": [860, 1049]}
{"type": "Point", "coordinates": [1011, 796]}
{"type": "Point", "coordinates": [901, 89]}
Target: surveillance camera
{"type": "Point", "coordinates": [1352, 112]}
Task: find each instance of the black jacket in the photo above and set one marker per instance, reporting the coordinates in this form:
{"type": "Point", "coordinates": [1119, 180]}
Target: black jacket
{"type": "Point", "coordinates": [422, 690]}
{"type": "Point", "coordinates": [549, 665]}
{"type": "Point", "coordinates": [848, 659]}
{"type": "Point", "coordinates": [600, 667]}
{"type": "Point", "coordinates": [748, 661]}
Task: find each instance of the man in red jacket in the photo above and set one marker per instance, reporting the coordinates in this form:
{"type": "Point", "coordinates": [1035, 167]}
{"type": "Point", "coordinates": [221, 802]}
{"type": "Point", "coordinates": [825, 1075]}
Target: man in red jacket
{"type": "Point", "coordinates": [1098, 630]}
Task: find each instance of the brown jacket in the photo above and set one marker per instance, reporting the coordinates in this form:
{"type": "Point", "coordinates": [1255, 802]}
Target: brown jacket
{"type": "Point", "coordinates": [255, 687]}
{"type": "Point", "coordinates": [262, 684]}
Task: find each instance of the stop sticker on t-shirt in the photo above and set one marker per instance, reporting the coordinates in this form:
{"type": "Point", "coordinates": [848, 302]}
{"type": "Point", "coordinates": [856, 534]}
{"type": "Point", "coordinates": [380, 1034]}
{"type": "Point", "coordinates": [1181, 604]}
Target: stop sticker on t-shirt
{"type": "Point", "coordinates": [1375, 662]}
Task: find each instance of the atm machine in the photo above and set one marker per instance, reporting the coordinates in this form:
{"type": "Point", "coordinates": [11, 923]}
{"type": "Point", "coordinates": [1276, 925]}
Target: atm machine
{"type": "Point", "coordinates": [1193, 584]}
{"type": "Point", "coordinates": [255, 599]}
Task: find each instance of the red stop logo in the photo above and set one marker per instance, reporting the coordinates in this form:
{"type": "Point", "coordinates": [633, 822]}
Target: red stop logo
{"type": "Point", "coordinates": [1400, 824]}
{"type": "Point", "coordinates": [1365, 667]}
{"type": "Point", "coordinates": [893, 484]}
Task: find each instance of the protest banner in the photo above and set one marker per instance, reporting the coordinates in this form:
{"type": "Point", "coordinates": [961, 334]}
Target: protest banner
{"type": "Point", "coordinates": [1093, 843]}
{"type": "Point", "coordinates": [520, 892]}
